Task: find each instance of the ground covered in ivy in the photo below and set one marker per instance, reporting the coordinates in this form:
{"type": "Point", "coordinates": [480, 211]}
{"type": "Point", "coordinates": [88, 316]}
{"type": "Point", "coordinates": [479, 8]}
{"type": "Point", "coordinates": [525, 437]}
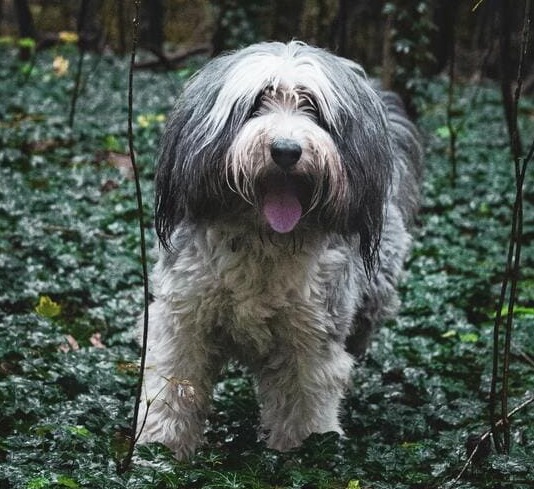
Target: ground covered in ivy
{"type": "Point", "coordinates": [70, 293]}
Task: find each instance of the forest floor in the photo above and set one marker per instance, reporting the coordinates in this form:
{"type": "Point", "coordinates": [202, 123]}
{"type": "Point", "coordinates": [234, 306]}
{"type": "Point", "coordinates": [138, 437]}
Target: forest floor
{"type": "Point", "coordinates": [71, 290]}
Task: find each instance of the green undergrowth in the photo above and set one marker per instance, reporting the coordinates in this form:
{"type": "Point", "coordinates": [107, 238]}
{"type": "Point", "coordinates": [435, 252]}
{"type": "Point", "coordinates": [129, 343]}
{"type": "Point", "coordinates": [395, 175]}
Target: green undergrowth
{"type": "Point", "coordinates": [70, 293]}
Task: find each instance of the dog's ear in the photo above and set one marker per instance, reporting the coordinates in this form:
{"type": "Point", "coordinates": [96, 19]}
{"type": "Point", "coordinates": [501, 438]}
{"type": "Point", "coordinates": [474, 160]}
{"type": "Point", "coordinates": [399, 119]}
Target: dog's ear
{"type": "Point", "coordinates": [376, 143]}
{"type": "Point", "coordinates": [170, 182]}
{"type": "Point", "coordinates": [408, 152]}
{"type": "Point", "coordinates": [191, 176]}
{"type": "Point", "coordinates": [368, 174]}
{"type": "Point", "coordinates": [352, 112]}
{"type": "Point", "coordinates": [363, 141]}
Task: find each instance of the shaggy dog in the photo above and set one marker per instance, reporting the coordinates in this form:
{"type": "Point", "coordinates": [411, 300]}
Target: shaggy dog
{"type": "Point", "coordinates": [285, 189]}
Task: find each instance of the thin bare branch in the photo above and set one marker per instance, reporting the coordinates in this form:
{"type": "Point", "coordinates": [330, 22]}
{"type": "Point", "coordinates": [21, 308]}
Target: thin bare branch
{"type": "Point", "coordinates": [125, 464]}
{"type": "Point", "coordinates": [511, 278]}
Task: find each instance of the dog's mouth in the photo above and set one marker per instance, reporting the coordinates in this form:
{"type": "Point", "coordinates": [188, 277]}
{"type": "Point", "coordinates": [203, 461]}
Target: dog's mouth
{"type": "Point", "coordinates": [284, 198]}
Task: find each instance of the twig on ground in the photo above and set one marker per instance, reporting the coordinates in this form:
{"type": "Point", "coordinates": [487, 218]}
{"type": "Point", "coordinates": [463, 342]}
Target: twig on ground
{"type": "Point", "coordinates": [486, 434]}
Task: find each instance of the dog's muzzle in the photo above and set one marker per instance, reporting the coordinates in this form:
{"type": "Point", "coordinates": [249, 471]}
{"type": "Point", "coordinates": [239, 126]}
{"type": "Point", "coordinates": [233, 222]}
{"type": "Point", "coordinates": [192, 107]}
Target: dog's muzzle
{"type": "Point", "coordinates": [282, 207]}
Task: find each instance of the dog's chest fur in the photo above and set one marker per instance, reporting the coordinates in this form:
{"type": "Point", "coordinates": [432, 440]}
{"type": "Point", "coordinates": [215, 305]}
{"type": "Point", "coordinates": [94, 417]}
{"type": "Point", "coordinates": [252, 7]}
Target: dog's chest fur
{"type": "Point", "coordinates": [258, 293]}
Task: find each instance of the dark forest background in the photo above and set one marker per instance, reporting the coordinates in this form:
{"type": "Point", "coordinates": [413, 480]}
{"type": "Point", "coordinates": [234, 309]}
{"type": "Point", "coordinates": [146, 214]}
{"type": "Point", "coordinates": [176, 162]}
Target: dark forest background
{"type": "Point", "coordinates": [402, 37]}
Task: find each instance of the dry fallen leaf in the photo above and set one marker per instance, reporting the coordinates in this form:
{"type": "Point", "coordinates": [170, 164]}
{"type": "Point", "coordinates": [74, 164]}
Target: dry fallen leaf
{"type": "Point", "coordinates": [71, 345]}
{"type": "Point", "coordinates": [96, 340]}
{"type": "Point", "coordinates": [122, 162]}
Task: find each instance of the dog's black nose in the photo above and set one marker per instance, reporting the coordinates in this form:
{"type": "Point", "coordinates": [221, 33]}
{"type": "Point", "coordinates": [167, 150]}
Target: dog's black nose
{"type": "Point", "coordinates": [285, 153]}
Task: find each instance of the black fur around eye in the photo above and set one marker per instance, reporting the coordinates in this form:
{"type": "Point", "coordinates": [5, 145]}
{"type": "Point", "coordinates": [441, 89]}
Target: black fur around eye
{"type": "Point", "coordinates": [256, 105]}
{"type": "Point", "coordinates": [261, 97]}
{"type": "Point", "coordinates": [307, 102]}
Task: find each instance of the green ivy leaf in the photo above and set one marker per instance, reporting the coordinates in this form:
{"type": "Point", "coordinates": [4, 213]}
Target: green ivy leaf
{"type": "Point", "coordinates": [469, 338]}
{"type": "Point", "coordinates": [38, 483]}
{"type": "Point", "coordinates": [443, 132]}
{"type": "Point", "coordinates": [27, 42]}
{"type": "Point", "coordinates": [47, 307]}
{"type": "Point", "coordinates": [523, 311]}
{"type": "Point", "coordinates": [65, 481]}
{"type": "Point", "coordinates": [81, 431]}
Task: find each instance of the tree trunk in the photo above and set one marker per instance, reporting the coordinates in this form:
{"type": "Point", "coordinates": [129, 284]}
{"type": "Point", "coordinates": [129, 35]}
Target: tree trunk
{"type": "Point", "coordinates": [89, 26]}
{"type": "Point", "coordinates": [24, 19]}
{"type": "Point", "coordinates": [388, 60]}
{"type": "Point", "coordinates": [286, 19]}
{"type": "Point", "coordinates": [26, 28]}
{"type": "Point", "coordinates": [444, 17]}
{"type": "Point", "coordinates": [152, 20]}
{"type": "Point", "coordinates": [121, 26]}
{"type": "Point", "coordinates": [338, 40]}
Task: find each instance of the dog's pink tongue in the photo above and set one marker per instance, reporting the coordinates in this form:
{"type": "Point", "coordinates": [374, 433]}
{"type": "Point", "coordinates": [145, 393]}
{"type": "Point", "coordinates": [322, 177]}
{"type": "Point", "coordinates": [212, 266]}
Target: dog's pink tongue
{"type": "Point", "coordinates": [281, 206]}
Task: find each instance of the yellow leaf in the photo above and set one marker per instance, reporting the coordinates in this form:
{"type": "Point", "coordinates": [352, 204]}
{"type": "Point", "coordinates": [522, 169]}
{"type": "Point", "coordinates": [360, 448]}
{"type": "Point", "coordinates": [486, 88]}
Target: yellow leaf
{"type": "Point", "coordinates": [68, 36]}
{"type": "Point", "coordinates": [146, 120]}
{"type": "Point", "coordinates": [60, 65]}
{"type": "Point", "coordinates": [143, 120]}
{"type": "Point", "coordinates": [354, 484]}
{"type": "Point", "coordinates": [47, 307]}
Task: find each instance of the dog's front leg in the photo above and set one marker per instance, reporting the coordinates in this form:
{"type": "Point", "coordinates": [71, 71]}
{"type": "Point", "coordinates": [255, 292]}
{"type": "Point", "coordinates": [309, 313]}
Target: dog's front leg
{"type": "Point", "coordinates": [300, 391]}
{"type": "Point", "coordinates": [178, 381]}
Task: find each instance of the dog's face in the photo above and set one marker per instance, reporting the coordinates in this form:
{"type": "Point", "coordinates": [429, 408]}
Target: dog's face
{"type": "Point", "coordinates": [283, 162]}
{"type": "Point", "coordinates": [282, 138]}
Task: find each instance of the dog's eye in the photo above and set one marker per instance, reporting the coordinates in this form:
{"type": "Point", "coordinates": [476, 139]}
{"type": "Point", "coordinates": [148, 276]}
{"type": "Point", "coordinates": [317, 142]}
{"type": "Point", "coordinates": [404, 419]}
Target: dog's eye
{"type": "Point", "coordinates": [308, 104]}
{"type": "Point", "coordinates": [307, 101]}
{"type": "Point", "coordinates": [256, 105]}
{"type": "Point", "coordinates": [260, 100]}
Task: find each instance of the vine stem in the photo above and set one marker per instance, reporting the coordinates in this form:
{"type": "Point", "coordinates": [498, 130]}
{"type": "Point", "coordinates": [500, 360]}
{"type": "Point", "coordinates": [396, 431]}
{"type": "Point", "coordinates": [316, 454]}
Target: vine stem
{"type": "Point", "coordinates": [511, 278]}
{"type": "Point", "coordinates": [126, 463]}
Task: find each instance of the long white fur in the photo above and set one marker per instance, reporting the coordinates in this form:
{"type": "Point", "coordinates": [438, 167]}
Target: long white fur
{"type": "Point", "coordinates": [284, 305]}
{"type": "Point", "coordinates": [283, 70]}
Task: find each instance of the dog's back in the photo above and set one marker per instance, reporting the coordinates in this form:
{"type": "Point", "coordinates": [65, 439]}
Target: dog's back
{"type": "Point", "coordinates": [407, 146]}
